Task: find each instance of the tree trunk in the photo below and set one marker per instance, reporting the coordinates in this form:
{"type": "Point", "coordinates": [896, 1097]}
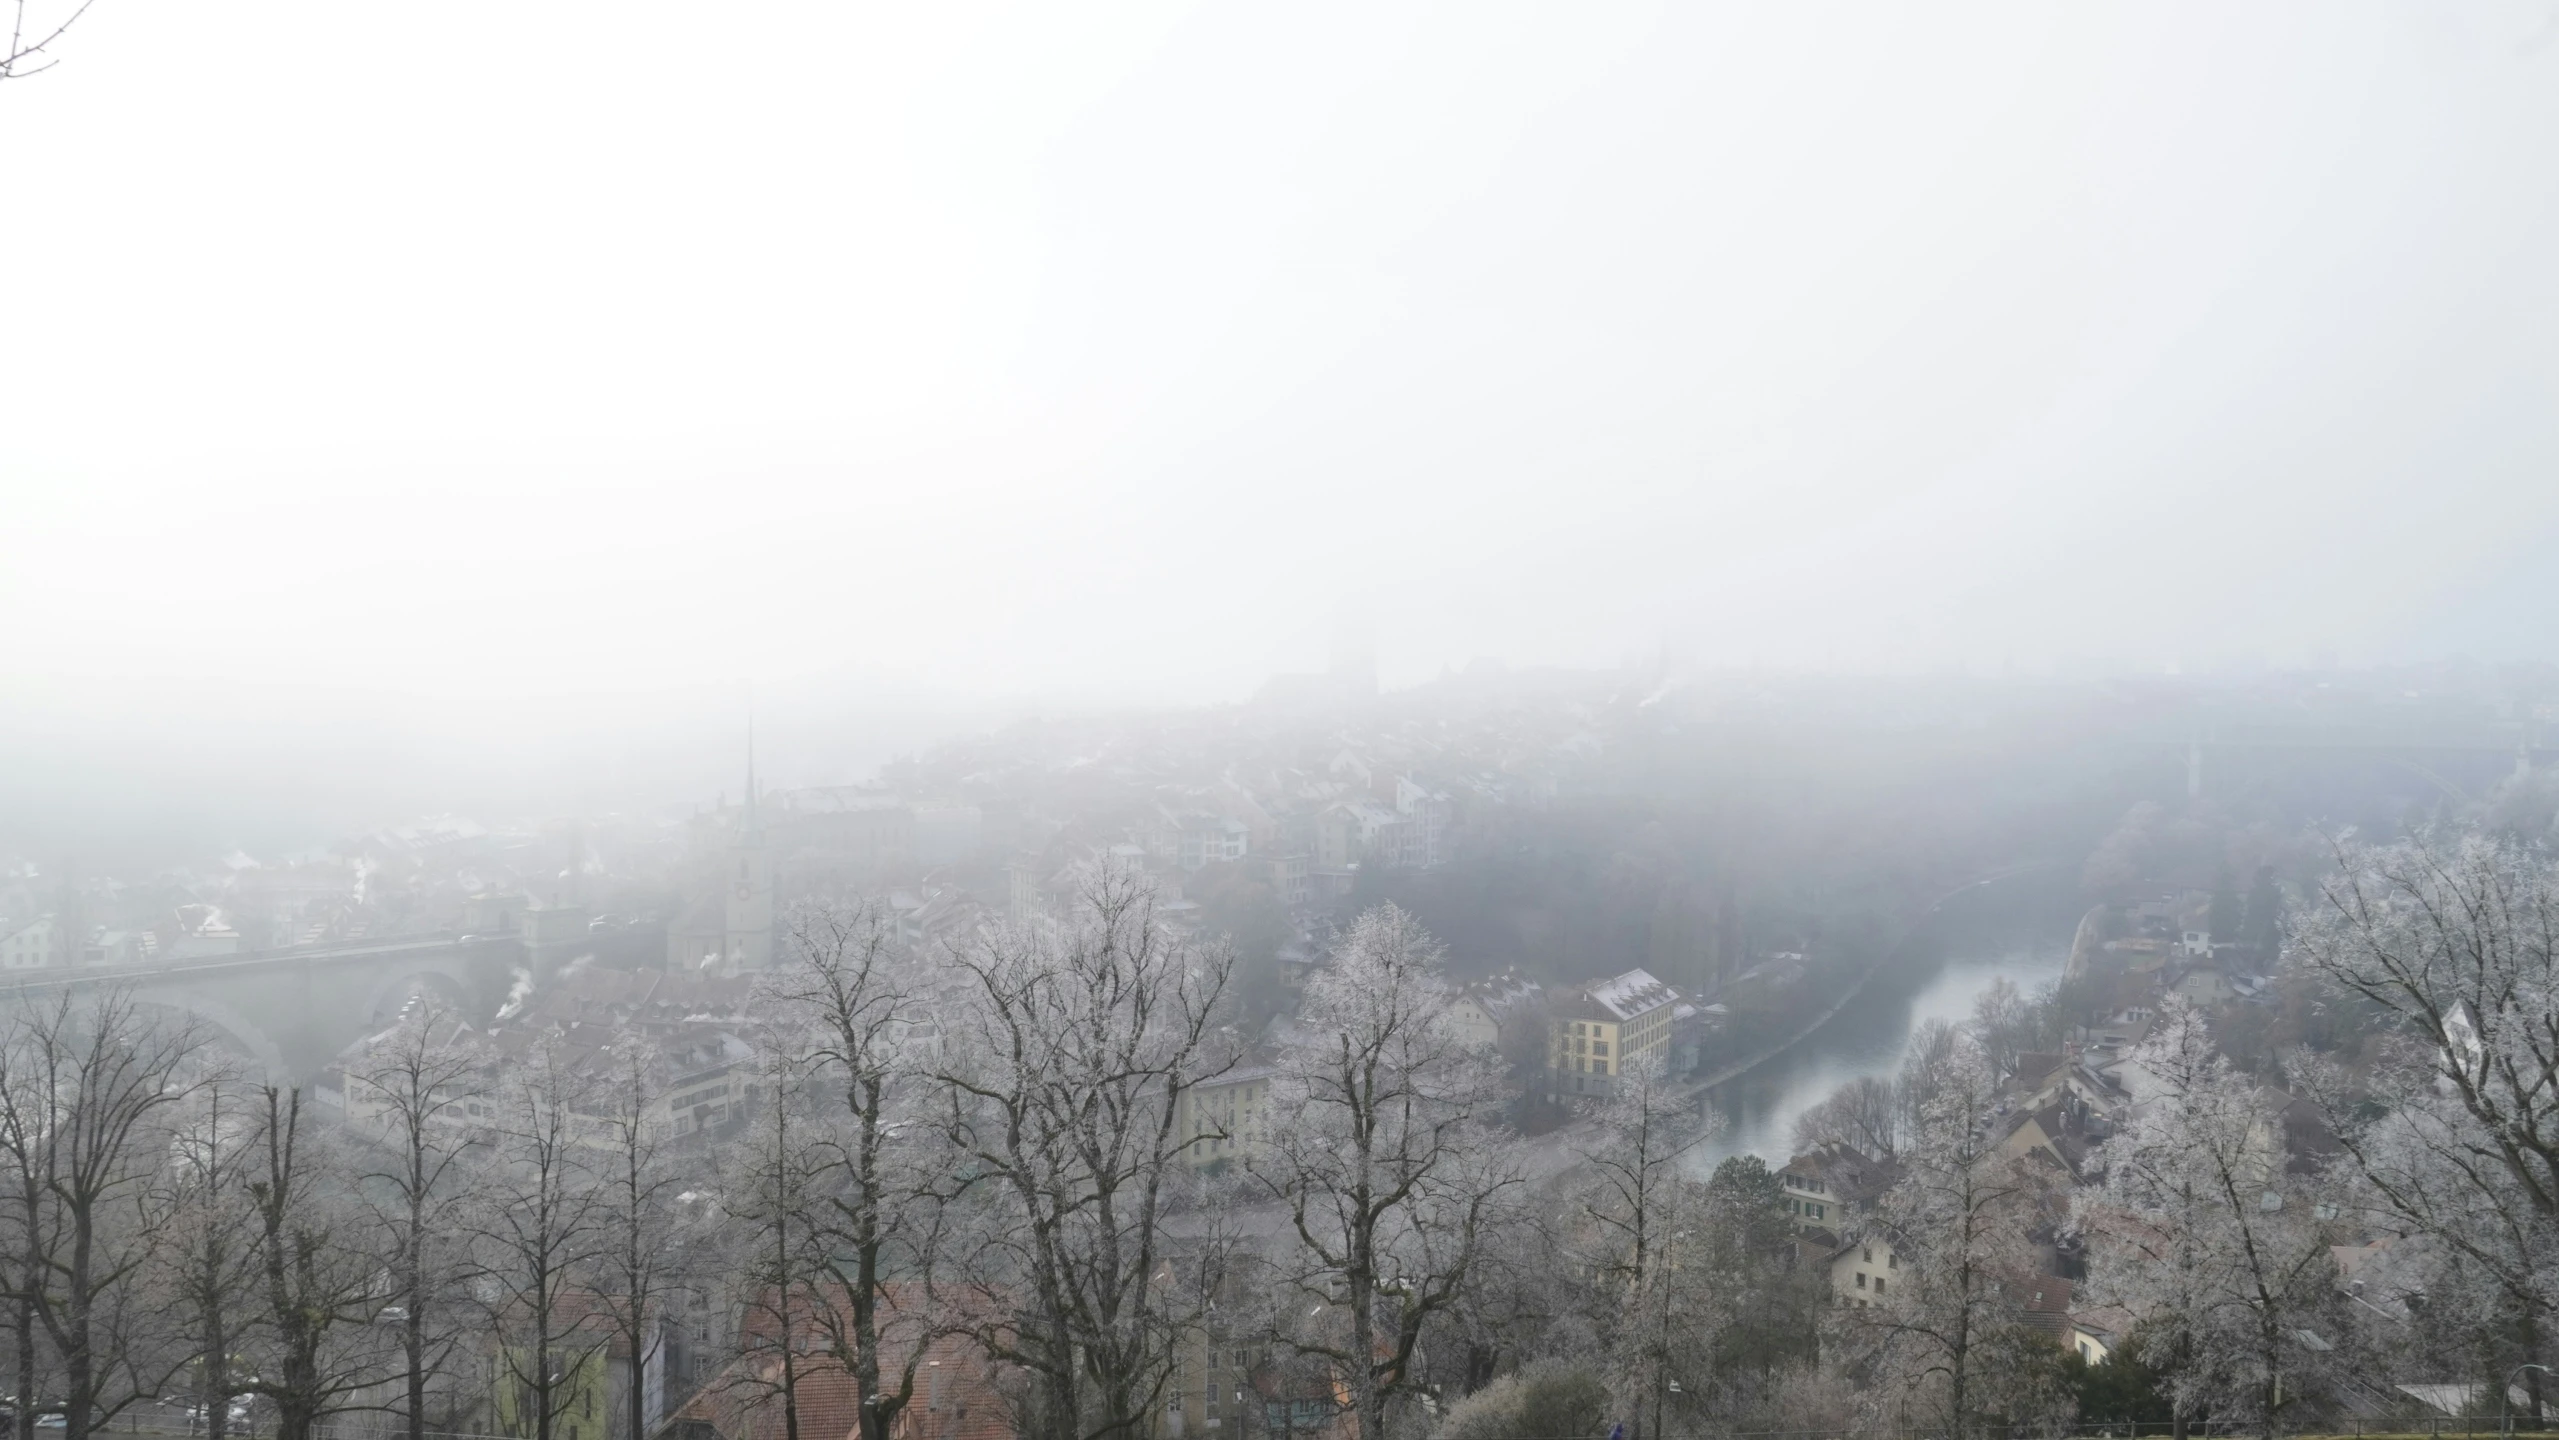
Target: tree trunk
{"type": "Point", "coordinates": [26, 1357]}
{"type": "Point", "coordinates": [639, 1386]}
{"type": "Point", "coordinates": [79, 1362]}
{"type": "Point", "coordinates": [215, 1385]}
{"type": "Point", "coordinates": [1362, 1291]}
{"type": "Point", "coordinates": [413, 1285]}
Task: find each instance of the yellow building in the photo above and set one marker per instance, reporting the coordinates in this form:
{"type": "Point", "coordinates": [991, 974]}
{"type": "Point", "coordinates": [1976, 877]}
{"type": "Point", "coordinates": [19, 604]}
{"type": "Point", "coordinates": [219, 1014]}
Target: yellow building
{"type": "Point", "coordinates": [1599, 1027]}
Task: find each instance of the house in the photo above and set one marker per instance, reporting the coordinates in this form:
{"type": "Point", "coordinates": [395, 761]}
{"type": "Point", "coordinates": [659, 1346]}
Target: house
{"type": "Point", "coordinates": [1484, 1013]}
{"type": "Point", "coordinates": [2041, 1078]}
{"type": "Point", "coordinates": [956, 1396]}
{"type": "Point", "coordinates": [32, 946]}
{"type": "Point", "coordinates": [1286, 874]}
{"type": "Point", "coordinates": [1226, 1118]}
{"type": "Point", "coordinates": [1832, 1184]}
{"type": "Point", "coordinates": [1864, 1269]}
{"type": "Point", "coordinates": [2203, 984]}
{"type": "Point", "coordinates": [2051, 1136]}
{"type": "Point", "coordinates": [1596, 1029]}
{"type": "Point", "coordinates": [203, 930]}
{"type": "Point", "coordinates": [591, 1358]}
{"type": "Point", "coordinates": [1212, 840]}
{"type": "Point", "coordinates": [1299, 1398]}
{"type": "Point", "coordinates": [2094, 1334]}
{"type": "Point", "coordinates": [2043, 1304]}
{"type": "Point", "coordinates": [1355, 832]}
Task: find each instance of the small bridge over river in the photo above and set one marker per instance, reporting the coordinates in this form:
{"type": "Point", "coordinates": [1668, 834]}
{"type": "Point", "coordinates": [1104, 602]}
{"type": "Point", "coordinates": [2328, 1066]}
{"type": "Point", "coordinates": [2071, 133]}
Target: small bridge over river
{"type": "Point", "coordinates": [292, 1010]}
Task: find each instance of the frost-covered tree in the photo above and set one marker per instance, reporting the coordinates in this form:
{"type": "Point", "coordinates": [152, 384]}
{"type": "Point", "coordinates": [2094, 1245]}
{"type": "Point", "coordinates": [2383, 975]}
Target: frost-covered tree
{"type": "Point", "coordinates": [2454, 1131]}
{"type": "Point", "coordinates": [1067, 1053]}
{"type": "Point", "coordinates": [1390, 1173]}
{"type": "Point", "coordinates": [1959, 1222]}
{"type": "Point", "coordinates": [2200, 1229]}
{"type": "Point", "coordinates": [1638, 1203]}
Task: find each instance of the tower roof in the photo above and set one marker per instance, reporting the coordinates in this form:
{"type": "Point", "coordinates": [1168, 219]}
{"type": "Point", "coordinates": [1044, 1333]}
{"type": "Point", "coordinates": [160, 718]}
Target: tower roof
{"type": "Point", "coordinates": [753, 828]}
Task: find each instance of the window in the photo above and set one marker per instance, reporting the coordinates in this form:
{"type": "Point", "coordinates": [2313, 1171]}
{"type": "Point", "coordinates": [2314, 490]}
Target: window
{"type": "Point", "coordinates": [1892, 1260]}
{"type": "Point", "coordinates": [1817, 1212]}
{"type": "Point", "coordinates": [1879, 1284]}
{"type": "Point", "coordinates": [1867, 1254]}
{"type": "Point", "coordinates": [1599, 1047]}
{"type": "Point", "coordinates": [1861, 1279]}
{"type": "Point", "coordinates": [1599, 1067]}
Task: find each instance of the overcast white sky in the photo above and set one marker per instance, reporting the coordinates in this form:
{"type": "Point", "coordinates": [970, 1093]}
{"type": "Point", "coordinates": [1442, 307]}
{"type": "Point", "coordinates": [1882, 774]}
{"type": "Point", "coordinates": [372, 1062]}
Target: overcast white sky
{"type": "Point", "coordinates": [485, 351]}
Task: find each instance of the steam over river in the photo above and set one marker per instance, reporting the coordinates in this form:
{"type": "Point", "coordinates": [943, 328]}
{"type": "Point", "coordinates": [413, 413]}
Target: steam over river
{"type": "Point", "coordinates": [1936, 976]}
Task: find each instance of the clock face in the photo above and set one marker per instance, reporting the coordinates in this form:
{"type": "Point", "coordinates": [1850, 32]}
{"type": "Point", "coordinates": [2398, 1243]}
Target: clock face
{"type": "Point", "coordinates": [744, 890]}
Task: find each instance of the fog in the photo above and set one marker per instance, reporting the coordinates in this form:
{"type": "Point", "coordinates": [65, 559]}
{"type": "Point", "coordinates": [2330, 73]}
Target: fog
{"type": "Point", "coordinates": [482, 380]}
{"type": "Point", "coordinates": [1277, 722]}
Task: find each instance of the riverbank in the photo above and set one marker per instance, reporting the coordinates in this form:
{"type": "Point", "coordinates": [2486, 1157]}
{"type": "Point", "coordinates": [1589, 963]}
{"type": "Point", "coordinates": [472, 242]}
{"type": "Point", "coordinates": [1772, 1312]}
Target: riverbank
{"type": "Point", "coordinates": [1740, 1068]}
{"type": "Point", "coordinates": [2016, 928]}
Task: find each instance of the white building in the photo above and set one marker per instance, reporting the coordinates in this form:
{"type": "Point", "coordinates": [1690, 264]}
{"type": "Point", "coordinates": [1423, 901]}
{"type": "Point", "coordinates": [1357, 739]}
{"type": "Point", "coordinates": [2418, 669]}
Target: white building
{"type": "Point", "coordinates": [31, 947]}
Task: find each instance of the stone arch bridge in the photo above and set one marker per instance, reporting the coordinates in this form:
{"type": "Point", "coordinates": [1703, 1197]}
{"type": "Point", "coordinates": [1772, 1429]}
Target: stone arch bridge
{"type": "Point", "coordinates": [292, 1011]}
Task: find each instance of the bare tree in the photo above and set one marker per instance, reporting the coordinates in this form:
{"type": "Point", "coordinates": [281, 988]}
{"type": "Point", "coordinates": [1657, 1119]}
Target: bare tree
{"type": "Point", "coordinates": [639, 1214]}
{"type": "Point", "coordinates": [414, 1095]}
{"type": "Point", "coordinates": [30, 1101]}
{"type": "Point", "coordinates": [207, 1247]}
{"type": "Point", "coordinates": [876, 1213]}
{"type": "Point", "coordinates": [2007, 1024]}
{"type": "Point", "coordinates": [31, 43]}
{"type": "Point", "coordinates": [539, 1221]}
{"type": "Point", "coordinates": [1865, 1115]}
{"type": "Point", "coordinates": [1390, 1182]}
{"type": "Point", "coordinates": [321, 1290]}
{"type": "Point", "coordinates": [1069, 1056]}
{"type": "Point", "coordinates": [103, 1082]}
{"type": "Point", "coordinates": [770, 1203]}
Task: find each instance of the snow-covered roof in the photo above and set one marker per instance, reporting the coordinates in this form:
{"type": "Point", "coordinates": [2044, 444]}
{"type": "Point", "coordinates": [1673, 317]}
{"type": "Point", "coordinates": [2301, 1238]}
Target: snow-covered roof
{"type": "Point", "coordinates": [1631, 994]}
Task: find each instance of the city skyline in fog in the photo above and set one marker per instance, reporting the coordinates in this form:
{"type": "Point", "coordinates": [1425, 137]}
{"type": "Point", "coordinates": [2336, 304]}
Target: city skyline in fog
{"type": "Point", "coordinates": [587, 377]}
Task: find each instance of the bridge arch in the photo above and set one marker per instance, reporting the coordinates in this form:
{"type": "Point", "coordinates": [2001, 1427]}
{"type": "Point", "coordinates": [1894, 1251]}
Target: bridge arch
{"type": "Point", "coordinates": [227, 1022]}
{"type": "Point", "coordinates": [388, 997]}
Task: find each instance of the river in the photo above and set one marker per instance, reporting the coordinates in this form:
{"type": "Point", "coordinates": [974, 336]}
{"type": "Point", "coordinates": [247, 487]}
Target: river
{"type": "Point", "coordinates": [1936, 976]}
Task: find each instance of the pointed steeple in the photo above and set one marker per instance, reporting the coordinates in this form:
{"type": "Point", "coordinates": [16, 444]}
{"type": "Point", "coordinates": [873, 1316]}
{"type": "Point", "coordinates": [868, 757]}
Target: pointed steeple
{"type": "Point", "coordinates": [754, 823]}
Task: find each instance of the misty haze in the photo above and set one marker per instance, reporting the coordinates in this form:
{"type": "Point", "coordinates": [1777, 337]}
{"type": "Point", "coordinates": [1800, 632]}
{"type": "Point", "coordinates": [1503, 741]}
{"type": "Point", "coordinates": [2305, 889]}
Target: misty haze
{"type": "Point", "coordinates": [1174, 722]}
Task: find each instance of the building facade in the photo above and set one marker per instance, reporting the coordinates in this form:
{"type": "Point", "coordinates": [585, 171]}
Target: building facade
{"type": "Point", "coordinates": [1597, 1029]}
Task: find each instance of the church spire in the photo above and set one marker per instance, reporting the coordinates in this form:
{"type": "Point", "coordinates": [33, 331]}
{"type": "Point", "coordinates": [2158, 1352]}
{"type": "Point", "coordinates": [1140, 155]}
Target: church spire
{"type": "Point", "coordinates": [754, 826]}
